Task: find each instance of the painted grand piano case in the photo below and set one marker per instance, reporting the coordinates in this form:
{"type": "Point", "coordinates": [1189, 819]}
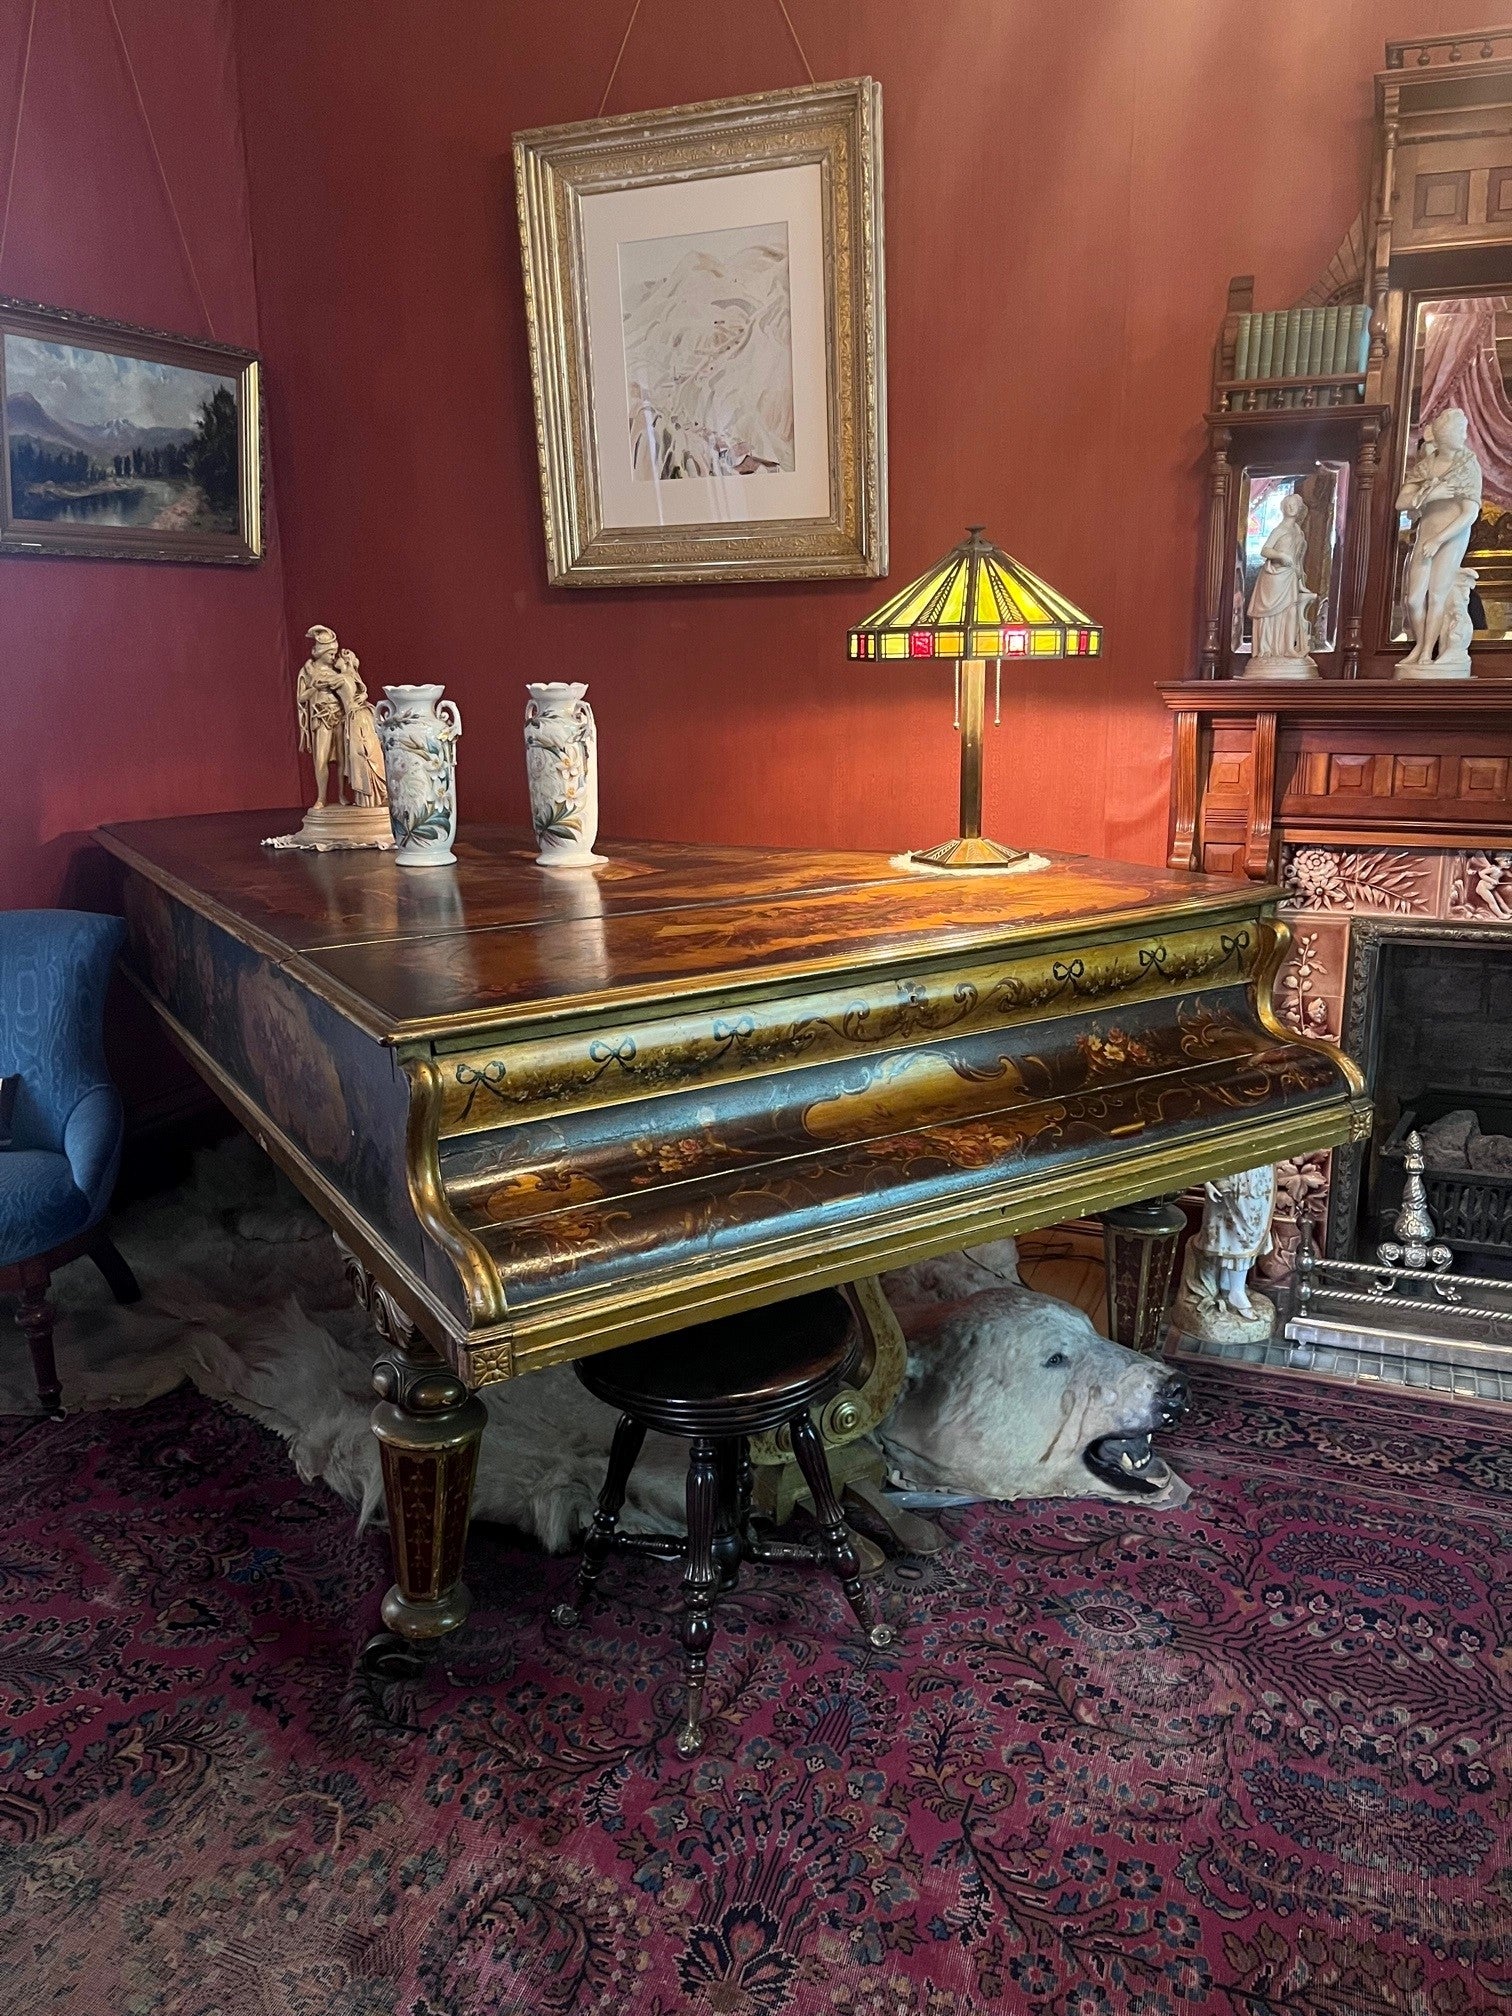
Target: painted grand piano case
{"type": "Point", "coordinates": [551, 1112]}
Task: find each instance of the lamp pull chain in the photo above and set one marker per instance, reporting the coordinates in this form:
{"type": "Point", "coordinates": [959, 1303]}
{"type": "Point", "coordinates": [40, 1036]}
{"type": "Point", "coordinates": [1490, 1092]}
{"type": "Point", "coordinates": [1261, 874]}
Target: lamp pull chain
{"type": "Point", "coordinates": [997, 693]}
{"type": "Point", "coordinates": [958, 696]}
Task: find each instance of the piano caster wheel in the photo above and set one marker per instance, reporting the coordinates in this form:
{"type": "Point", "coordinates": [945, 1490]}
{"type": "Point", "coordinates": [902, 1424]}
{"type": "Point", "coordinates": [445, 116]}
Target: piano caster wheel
{"type": "Point", "coordinates": [880, 1635]}
{"type": "Point", "coordinates": [566, 1616]}
{"type": "Point", "coordinates": [387, 1659]}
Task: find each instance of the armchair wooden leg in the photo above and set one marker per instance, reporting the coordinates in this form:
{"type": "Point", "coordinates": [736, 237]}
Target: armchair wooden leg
{"type": "Point", "coordinates": [112, 1263]}
{"type": "Point", "coordinates": [35, 1315]}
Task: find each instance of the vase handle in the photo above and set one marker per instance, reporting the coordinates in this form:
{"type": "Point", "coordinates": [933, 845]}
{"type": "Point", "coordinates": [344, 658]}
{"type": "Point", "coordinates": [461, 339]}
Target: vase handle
{"type": "Point", "coordinates": [382, 709]}
{"type": "Point", "coordinates": [451, 713]}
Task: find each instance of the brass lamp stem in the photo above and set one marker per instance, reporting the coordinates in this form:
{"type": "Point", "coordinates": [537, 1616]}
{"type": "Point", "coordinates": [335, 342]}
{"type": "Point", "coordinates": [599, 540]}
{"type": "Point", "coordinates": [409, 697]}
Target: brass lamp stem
{"type": "Point", "coordinates": [973, 709]}
{"type": "Point", "coordinates": [969, 849]}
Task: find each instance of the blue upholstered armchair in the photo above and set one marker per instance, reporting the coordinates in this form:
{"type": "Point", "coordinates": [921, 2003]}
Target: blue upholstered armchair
{"type": "Point", "coordinates": [60, 1136]}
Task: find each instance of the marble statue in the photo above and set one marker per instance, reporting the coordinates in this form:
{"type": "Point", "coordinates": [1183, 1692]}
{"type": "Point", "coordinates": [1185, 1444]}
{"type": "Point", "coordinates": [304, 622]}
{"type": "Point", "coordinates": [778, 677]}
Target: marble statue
{"type": "Point", "coordinates": [337, 730]}
{"type": "Point", "coordinates": [1442, 496]}
{"type": "Point", "coordinates": [1214, 1300]}
{"type": "Point", "coordinates": [1456, 631]}
{"type": "Point", "coordinates": [1280, 606]}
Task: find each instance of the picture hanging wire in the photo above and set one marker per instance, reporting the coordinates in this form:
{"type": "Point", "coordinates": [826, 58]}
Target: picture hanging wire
{"type": "Point", "coordinates": [629, 25]}
{"type": "Point", "coordinates": [10, 180]}
{"type": "Point", "coordinates": [136, 90]}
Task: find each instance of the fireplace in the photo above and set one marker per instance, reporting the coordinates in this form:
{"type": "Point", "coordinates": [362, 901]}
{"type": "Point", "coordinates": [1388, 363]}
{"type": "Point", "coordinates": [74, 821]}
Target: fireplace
{"type": "Point", "coordinates": [1428, 1016]}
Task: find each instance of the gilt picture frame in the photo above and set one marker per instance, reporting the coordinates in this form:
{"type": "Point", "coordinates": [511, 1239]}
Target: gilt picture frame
{"type": "Point", "coordinates": [123, 443]}
{"type": "Point", "coordinates": [704, 296]}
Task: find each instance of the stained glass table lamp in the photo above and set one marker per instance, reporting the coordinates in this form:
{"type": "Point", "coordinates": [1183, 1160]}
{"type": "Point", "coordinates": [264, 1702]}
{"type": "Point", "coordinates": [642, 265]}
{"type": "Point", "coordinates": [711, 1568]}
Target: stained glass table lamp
{"type": "Point", "coordinates": [973, 606]}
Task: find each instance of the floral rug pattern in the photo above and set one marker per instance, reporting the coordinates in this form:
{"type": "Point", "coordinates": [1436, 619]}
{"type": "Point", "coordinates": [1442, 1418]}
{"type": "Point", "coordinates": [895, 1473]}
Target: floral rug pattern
{"type": "Point", "coordinates": [1247, 1758]}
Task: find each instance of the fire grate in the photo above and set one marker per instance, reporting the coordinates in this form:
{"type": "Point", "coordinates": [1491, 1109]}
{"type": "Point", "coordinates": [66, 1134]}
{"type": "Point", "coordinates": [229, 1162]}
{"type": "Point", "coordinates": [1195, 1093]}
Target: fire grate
{"type": "Point", "coordinates": [1471, 1208]}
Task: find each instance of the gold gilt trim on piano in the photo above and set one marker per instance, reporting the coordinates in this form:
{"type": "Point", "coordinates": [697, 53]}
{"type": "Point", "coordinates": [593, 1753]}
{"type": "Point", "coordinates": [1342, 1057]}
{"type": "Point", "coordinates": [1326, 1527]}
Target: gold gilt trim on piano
{"type": "Point", "coordinates": [484, 1088]}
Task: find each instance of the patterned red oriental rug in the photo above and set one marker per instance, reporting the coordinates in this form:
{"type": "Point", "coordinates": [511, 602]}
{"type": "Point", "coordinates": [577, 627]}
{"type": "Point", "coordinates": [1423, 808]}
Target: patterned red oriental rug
{"type": "Point", "coordinates": [1241, 1758]}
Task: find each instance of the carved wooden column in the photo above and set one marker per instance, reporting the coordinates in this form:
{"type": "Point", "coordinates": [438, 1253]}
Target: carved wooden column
{"type": "Point", "coordinates": [428, 1427]}
{"type": "Point", "coordinates": [1262, 806]}
{"type": "Point", "coordinates": [1186, 788]}
{"type": "Point", "coordinates": [1366, 465]}
{"type": "Point", "coordinates": [1220, 475]}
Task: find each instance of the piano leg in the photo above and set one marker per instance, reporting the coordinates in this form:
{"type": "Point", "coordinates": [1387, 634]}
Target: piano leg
{"type": "Point", "coordinates": [428, 1427]}
{"type": "Point", "coordinates": [1139, 1243]}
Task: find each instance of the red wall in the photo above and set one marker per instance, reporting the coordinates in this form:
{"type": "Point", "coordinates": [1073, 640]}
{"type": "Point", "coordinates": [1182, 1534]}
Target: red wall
{"type": "Point", "coordinates": [1068, 190]}
{"type": "Point", "coordinates": [130, 689]}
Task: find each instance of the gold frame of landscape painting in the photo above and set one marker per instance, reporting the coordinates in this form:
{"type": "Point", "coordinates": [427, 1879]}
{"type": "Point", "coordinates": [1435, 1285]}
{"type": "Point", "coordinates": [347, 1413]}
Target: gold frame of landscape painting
{"type": "Point", "coordinates": [704, 297]}
{"type": "Point", "coordinates": [119, 443]}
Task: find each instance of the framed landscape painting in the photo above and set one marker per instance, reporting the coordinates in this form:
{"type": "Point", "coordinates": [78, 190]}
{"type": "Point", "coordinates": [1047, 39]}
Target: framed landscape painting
{"type": "Point", "coordinates": [124, 443]}
{"type": "Point", "coordinates": [704, 294]}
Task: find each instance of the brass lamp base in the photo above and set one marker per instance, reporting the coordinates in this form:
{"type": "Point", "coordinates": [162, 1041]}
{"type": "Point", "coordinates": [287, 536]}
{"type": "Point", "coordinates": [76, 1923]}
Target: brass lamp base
{"type": "Point", "coordinates": [972, 852]}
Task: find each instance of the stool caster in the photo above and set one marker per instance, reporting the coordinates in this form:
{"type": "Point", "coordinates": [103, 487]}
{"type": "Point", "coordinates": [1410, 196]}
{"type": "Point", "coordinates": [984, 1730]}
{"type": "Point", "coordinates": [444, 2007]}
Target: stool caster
{"type": "Point", "coordinates": [689, 1740]}
{"type": "Point", "coordinates": [880, 1635]}
{"type": "Point", "coordinates": [566, 1616]}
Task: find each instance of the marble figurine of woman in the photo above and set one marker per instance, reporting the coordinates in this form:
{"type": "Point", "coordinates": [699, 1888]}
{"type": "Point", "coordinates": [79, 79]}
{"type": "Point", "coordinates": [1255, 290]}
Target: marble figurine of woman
{"type": "Point", "coordinates": [1281, 603]}
{"type": "Point", "coordinates": [1442, 497]}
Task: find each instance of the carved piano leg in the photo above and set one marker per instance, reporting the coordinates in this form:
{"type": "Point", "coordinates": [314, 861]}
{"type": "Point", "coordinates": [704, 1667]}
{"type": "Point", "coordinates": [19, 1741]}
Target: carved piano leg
{"type": "Point", "coordinates": [1139, 1243]}
{"type": "Point", "coordinates": [428, 1427]}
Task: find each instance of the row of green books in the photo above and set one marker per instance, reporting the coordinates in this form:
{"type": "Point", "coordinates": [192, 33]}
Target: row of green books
{"type": "Point", "coordinates": [1303, 343]}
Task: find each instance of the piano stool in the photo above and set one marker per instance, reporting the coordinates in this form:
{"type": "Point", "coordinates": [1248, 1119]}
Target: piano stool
{"type": "Point", "coordinates": [717, 1385]}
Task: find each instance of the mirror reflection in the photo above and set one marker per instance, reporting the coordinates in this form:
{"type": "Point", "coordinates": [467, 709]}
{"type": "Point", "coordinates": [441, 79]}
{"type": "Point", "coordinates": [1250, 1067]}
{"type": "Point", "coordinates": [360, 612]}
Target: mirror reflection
{"type": "Point", "coordinates": [1461, 359]}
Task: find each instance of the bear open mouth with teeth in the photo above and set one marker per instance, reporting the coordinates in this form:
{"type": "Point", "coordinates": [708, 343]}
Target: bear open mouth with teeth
{"type": "Point", "coordinates": [1012, 1394]}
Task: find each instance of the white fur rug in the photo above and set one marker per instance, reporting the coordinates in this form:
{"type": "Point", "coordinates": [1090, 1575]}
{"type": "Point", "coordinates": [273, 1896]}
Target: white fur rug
{"type": "Point", "coordinates": [243, 1294]}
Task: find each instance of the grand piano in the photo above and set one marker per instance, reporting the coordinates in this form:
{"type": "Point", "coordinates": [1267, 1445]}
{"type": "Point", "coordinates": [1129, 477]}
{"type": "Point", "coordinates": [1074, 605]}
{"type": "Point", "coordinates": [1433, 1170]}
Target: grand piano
{"type": "Point", "coordinates": [549, 1112]}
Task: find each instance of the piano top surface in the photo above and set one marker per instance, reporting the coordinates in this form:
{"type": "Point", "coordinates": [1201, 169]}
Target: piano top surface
{"type": "Point", "coordinates": [425, 952]}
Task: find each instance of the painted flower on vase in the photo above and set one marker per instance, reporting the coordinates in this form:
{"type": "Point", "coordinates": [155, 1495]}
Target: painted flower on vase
{"type": "Point", "coordinates": [561, 767]}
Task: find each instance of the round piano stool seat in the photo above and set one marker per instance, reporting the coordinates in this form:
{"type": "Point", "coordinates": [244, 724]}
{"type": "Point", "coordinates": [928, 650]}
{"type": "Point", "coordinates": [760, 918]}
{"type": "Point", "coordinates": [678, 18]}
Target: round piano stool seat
{"type": "Point", "coordinates": [717, 1385]}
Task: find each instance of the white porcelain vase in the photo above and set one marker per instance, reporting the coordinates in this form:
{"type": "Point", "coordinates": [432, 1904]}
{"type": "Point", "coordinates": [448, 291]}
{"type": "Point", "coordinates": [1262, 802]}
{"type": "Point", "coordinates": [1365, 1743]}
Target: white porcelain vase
{"type": "Point", "coordinates": [561, 762]}
{"type": "Point", "coordinates": [419, 732]}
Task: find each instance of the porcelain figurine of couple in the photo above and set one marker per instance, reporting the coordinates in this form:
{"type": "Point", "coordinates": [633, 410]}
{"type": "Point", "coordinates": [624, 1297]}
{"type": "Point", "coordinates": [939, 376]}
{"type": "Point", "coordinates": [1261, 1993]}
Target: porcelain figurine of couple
{"type": "Point", "coordinates": [337, 730]}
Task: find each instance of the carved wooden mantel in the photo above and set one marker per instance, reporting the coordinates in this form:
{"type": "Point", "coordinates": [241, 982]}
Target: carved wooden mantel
{"type": "Point", "coordinates": [1375, 762]}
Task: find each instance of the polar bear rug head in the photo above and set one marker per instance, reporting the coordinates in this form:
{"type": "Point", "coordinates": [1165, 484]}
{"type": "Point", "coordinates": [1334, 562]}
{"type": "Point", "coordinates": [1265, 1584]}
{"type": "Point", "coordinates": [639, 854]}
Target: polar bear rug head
{"type": "Point", "coordinates": [1011, 1394]}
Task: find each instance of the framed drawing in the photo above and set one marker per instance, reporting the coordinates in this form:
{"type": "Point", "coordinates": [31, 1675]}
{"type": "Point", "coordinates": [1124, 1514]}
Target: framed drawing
{"type": "Point", "coordinates": [704, 295]}
{"type": "Point", "coordinates": [125, 443]}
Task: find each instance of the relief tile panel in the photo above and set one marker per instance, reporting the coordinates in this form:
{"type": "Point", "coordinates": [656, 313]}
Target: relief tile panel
{"type": "Point", "coordinates": [1480, 886]}
{"type": "Point", "coordinates": [1301, 1198]}
{"type": "Point", "coordinates": [1364, 881]}
{"type": "Point", "coordinates": [1310, 990]}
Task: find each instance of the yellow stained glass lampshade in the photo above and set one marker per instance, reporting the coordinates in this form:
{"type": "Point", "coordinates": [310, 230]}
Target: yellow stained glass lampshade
{"type": "Point", "coordinates": [976, 604]}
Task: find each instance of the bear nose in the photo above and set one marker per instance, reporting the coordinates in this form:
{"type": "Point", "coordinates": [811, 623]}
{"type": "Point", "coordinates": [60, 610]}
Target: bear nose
{"type": "Point", "coordinates": [1173, 1399]}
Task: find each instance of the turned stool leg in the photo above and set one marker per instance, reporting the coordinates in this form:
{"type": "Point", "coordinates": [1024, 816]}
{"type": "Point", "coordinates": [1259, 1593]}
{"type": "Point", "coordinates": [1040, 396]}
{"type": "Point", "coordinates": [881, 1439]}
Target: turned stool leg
{"type": "Point", "coordinates": [729, 1536]}
{"type": "Point", "coordinates": [700, 1580]}
{"type": "Point", "coordinates": [598, 1542]}
{"type": "Point", "coordinates": [839, 1548]}
{"type": "Point", "coordinates": [35, 1315]}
